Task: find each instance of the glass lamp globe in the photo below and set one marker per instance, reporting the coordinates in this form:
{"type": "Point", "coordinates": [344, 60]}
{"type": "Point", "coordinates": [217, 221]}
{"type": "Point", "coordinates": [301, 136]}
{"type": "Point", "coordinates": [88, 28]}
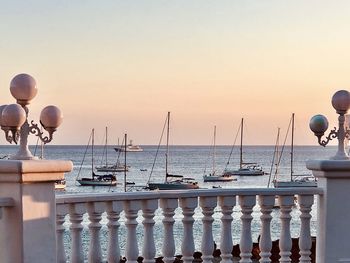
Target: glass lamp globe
{"type": "Point", "coordinates": [318, 124]}
{"type": "Point", "coordinates": [23, 88]}
{"type": "Point", "coordinates": [13, 116]}
{"type": "Point", "coordinates": [341, 101]}
{"type": "Point", "coordinates": [2, 107]}
{"type": "Point", "coordinates": [51, 117]}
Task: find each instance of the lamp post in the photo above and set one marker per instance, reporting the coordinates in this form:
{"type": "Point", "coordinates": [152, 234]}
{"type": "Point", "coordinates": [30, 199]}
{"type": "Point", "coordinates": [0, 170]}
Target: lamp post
{"type": "Point", "coordinates": [319, 124]}
{"type": "Point", "coordinates": [14, 117]}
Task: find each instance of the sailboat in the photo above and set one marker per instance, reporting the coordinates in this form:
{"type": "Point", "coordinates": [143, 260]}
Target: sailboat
{"type": "Point", "coordinates": [172, 181]}
{"type": "Point", "coordinates": [117, 167]}
{"type": "Point", "coordinates": [213, 176]}
{"type": "Point", "coordinates": [295, 180]}
{"type": "Point", "coordinates": [96, 179]}
{"type": "Point", "coordinates": [245, 169]}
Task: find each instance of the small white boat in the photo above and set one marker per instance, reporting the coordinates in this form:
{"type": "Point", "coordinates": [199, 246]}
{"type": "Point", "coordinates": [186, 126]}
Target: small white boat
{"type": "Point", "coordinates": [213, 176]}
{"type": "Point", "coordinates": [96, 179]}
{"type": "Point", "coordinates": [60, 184]}
{"type": "Point", "coordinates": [129, 148]}
{"type": "Point", "coordinates": [245, 169]}
{"type": "Point", "coordinates": [298, 181]}
{"type": "Point", "coordinates": [248, 170]}
{"type": "Point", "coordinates": [295, 180]}
{"type": "Point", "coordinates": [219, 178]}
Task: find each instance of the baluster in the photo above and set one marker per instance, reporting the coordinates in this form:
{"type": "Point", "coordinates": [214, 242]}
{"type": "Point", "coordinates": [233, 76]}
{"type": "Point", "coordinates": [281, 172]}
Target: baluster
{"type": "Point", "coordinates": [246, 244]}
{"type": "Point", "coordinates": [95, 210]}
{"type": "Point", "coordinates": [207, 204]}
{"type": "Point", "coordinates": [113, 210]}
{"type": "Point", "coordinates": [76, 212]}
{"type": "Point", "coordinates": [305, 243]}
{"type": "Point", "coordinates": [187, 247]}
{"type": "Point", "coordinates": [266, 204]}
{"type": "Point", "coordinates": [226, 203]}
{"type": "Point", "coordinates": [168, 249]}
{"type": "Point", "coordinates": [61, 212]}
{"type": "Point", "coordinates": [286, 203]}
{"type": "Point", "coordinates": [131, 209]}
{"type": "Point", "coordinates": [149, 249]}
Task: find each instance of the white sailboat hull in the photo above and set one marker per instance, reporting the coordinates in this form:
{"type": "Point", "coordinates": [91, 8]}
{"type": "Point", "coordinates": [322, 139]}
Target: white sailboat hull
{"type": "Point", "coordinates": [93, 182]}
{"type": "Point", "coordinates": [283, 184]}
{"type": "Point", "coordinates": [218, 178]}
{"type": "Point", "coordinates": [245, 172]}
{"type": "Point", "coordinates": [112, 168]}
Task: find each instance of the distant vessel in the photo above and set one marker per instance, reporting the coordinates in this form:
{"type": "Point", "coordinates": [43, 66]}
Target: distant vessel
{"type": "Point", "coordinates": [60, 184]}
{"type": "Point", "coordinates": [213, 176]}
{"type": "Point", "coordinates": [245, 169]}
{"type": "Point", "coordinates": [172, 181]}
{"type": "Point", "coordinates": [96, 179]}
{"type": "Point", "coordinates": [295, 180]}
{"type": "Point", "coordinates": [129, 148]}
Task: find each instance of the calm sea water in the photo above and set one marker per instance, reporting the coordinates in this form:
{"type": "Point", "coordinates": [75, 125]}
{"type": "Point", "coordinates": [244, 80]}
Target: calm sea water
{"type": "Point", "coordinates": [191, 161]}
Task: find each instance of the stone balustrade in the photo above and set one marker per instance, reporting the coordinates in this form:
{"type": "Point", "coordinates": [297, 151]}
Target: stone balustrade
{"type": "Point", "coordinates": [76, 214]}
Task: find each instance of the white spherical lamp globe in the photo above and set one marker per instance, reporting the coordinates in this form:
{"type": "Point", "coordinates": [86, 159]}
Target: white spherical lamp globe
{"type": "Point", "coordinates": [51, 117]}
{"type": "Point", "coordinates": [2, 107]}
{"type": "Point", "coordinates": [318, 124]}
{"type": "Point", "coordinates": [23, 88]}
{"type": "Point", "coordinates": [13, 116]}
{"type": "Point", "coordinates": [341, 101]}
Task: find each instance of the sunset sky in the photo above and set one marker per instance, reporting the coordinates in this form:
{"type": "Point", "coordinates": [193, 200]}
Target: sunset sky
{"type": "Point", "coordinates": [124, 64]}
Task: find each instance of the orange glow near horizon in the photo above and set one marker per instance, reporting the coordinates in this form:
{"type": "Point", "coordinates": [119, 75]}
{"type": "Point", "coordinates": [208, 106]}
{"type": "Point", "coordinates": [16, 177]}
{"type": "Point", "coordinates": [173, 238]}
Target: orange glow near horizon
{"type": "Point", "coordinates": [124, 65]}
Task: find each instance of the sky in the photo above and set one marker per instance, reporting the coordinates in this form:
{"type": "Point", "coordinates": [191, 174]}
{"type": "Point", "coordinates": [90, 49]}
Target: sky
{"type": "Point", "coordinates": [125, 64]}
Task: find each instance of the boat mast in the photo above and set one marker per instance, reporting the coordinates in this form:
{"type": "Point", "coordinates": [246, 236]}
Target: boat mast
{"type": "Point", "coordinates": [167, 147]}
{"type": "Point", "coordinates": [292, 150]}
{"type": "Point", "coordinates": [214, 150]}
{"type": "Point", "coordinates": [125, 139]}
{"type": "Point", "coordinates": [241, 148]}
{"type": "Point", "coordinates": [92, 153]}
{"type": "Point", "coordinates": [106, 144]}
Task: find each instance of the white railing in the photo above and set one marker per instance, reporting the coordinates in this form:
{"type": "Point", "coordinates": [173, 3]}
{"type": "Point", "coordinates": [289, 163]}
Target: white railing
{"type": "Point", "coordinates": [89, 211]}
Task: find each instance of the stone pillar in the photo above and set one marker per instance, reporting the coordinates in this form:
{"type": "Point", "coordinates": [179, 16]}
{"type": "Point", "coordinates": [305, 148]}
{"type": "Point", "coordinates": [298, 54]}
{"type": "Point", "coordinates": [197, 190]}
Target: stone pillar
{"type": "Point", "coordinates": [28, 230]}
{"type": "Point", "coordinates": [333, 208]}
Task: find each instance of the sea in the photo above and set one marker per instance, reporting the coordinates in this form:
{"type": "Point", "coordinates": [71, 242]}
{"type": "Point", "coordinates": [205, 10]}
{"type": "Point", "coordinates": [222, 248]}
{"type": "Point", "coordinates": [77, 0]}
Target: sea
{"type": "Point", "coordinates": [190, 161]}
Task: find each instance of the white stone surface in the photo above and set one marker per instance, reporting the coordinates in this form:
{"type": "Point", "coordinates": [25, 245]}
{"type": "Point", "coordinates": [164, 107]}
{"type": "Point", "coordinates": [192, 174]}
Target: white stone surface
{"type": "Point", "coordinates": [333, 229]}
{"type": "Point", "coordinates": [32, 221]}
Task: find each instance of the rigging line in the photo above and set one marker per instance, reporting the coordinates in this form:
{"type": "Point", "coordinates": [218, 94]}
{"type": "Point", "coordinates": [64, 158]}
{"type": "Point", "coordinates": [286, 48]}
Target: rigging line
{"type": "Point", "coordinates": [274, 156]}
{"type": "Point", "coordinates": [82, 162]}
{"type": "Point", "coordinates": [155, 157]}
{"type": "Point", "coordinates": [119, 152]}
{"type": "Point", "coordinates": [104, 151]}
{"type": "Point", "coordinates": [234, 143]}
{"type": "Point", "coordinates": [282, 149]}
{"type": "Point", "coordinates": [207, 160]}
{"type": "Point", "coordinates": [36, 145]}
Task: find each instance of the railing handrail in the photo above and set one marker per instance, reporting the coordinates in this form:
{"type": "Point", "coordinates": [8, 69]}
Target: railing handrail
{"type": "Point", "coordinates": [122, 196]}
